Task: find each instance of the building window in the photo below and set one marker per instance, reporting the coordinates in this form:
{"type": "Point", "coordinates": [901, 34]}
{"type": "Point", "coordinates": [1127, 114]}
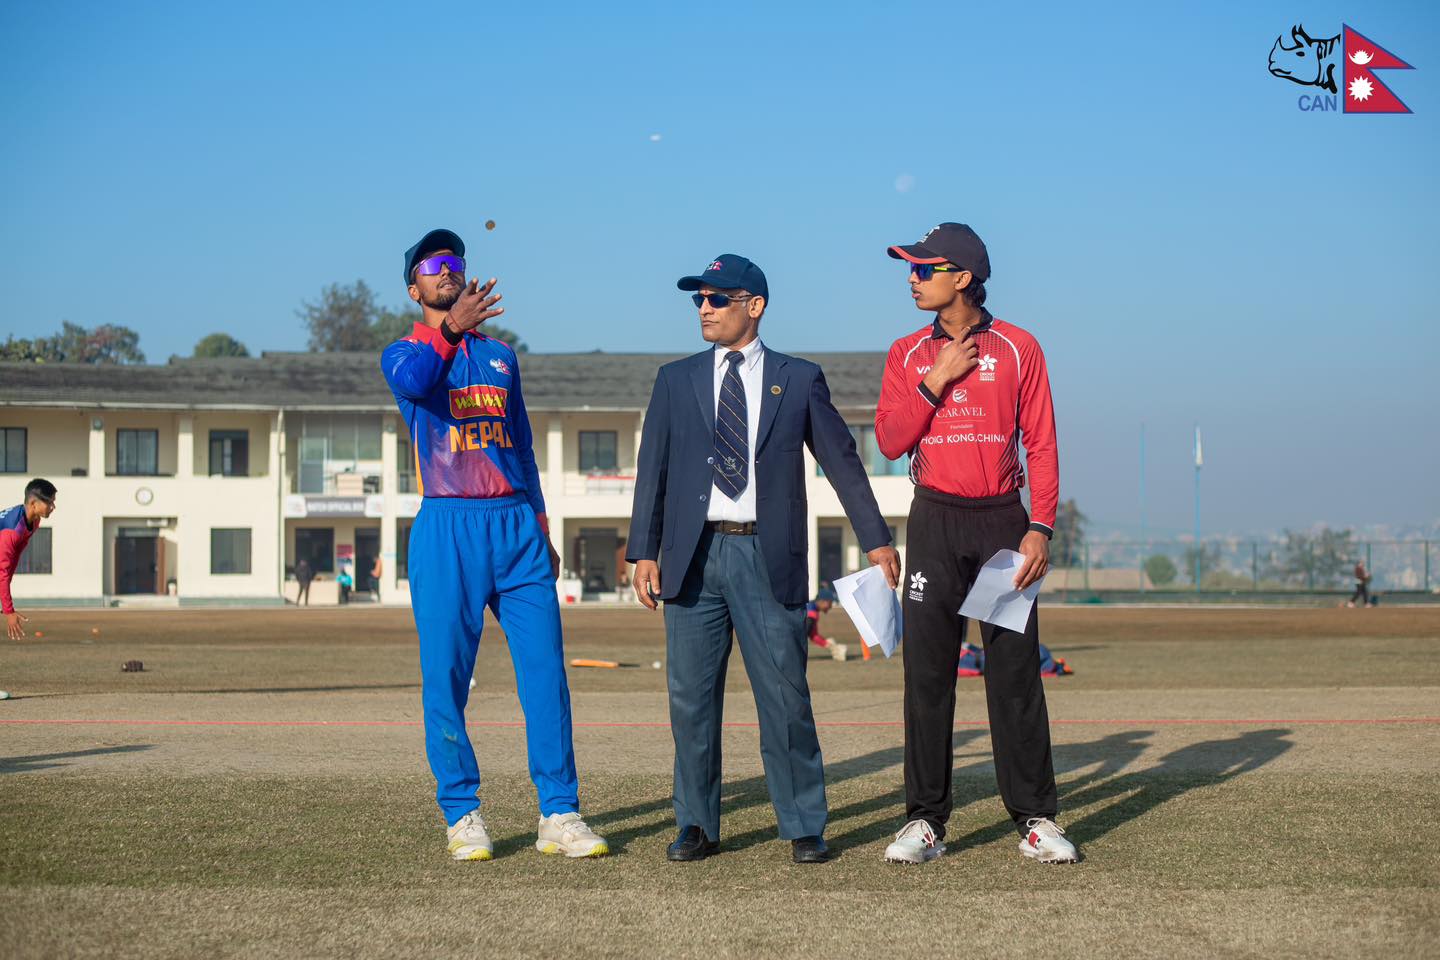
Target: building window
{"type": "Point", "coordinates": [598, 451]}
{"type": "Point", "coordinates": [230, 550]}
{"type": "Point", "coordinates": [402, 548]}
{"type": "Point", "coordinates": [229, 453]}
{"type": "Point", "coordinates": [316, 544]}
{"type": "Point", "coordinates": [405, 464]}
{"type": "Point", "coordinates": [875, 462]}
{"type": "Point", "coordinates": [12, 450]}
{"type": "Point", "coordinates": [37, 558]}
{"type": "Point", "coordinates": [137, 452]}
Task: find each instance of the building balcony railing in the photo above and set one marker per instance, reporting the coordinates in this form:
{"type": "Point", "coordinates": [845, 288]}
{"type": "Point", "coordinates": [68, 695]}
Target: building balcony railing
{"type": "Point", "coordinates": [598, 484]}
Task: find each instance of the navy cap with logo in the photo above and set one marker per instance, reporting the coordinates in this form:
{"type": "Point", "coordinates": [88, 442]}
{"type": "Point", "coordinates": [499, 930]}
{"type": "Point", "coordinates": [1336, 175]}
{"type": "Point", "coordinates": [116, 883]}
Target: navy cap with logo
{"type": "Point", "coordinates": [948, 243]}
{"type": "Point", "coordinates": [441, 239]}
{"type": "Point", "coordinates": [729, 272]}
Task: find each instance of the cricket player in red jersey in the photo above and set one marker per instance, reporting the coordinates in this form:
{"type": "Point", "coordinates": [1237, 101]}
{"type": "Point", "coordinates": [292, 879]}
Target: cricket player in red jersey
{"type": "Point", "coordinates": [958, 396]}
{"type": "Point", "coordinates": [17, 525]}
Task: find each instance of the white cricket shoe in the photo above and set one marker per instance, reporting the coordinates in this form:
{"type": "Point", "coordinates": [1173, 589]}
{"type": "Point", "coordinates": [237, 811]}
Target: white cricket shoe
{"type": "Point", "coordinates": [566, 833]}
{"type": "Point", "coordinates": [469, 840]}
{"type": "Point", "coordinates": [915, 843]}
{"type": "Point", "coordinates": [839, 651]}
{"type": "Point", "coordinates": [1045, 841]}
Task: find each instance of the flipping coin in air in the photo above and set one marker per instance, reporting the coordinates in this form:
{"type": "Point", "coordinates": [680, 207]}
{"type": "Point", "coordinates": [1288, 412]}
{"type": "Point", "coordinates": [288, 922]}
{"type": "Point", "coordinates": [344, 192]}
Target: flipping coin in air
{"type": "Point", "coordinates": [489, 224]}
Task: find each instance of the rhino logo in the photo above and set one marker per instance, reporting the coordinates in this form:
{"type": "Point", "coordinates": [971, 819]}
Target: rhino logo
{"type": "Point", "coordinates": [1309, 62]}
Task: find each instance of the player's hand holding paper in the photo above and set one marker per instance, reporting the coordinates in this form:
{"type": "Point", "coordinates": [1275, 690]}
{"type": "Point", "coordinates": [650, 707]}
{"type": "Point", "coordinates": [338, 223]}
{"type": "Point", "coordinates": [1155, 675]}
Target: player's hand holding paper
{"type": "Point", "coordinates": [994, 598]}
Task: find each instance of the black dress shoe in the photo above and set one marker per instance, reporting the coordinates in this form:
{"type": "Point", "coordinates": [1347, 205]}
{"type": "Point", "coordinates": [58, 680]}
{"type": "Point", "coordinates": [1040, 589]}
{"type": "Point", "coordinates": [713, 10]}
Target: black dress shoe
{"type": "Point", "coordinates": [692, 844]}
{"type": "Point", "coordinates": [809, 850]}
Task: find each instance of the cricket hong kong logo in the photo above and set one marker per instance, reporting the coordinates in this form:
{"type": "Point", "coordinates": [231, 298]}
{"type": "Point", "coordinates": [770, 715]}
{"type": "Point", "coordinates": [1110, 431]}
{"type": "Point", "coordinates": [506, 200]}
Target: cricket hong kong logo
{"type": "Point", "coordinates": [987, 367]}
{"type": "Point", "coordinates": [500, 366]}
{"type": "Point", "coordinates": [917, 586]}
{"type": "Point", "coordinates": [1342, 66]}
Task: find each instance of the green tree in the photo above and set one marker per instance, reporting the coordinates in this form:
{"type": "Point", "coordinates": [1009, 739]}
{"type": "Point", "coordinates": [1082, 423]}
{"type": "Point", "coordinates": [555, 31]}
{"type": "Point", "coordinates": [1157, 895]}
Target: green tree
{"type": "Point", "coordinates": [1067, 547]}
{"type": "Point", "coordinates": [341, 319]}
{"type": "Point", "coordinates": [1322, 559]}
{"type": "Point", "coordinates": [347, 317]}
{"type": "Point", "coordinates": [1208, 558]}
{"type": "Point", "coordinates": [220, 345]}
{"type": "Point", "coordinates": [1160, 569]}
{"type": "Point", "coordinates": [107, 343]}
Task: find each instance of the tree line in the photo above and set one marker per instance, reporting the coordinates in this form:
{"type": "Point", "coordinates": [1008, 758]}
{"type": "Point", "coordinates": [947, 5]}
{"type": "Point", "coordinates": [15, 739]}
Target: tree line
{"type": "Point", "coordinates": [343, 317]}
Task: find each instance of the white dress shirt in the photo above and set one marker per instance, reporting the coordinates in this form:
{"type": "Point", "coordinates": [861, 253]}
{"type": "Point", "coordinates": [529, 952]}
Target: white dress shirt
{"type": "Point", "coordinates": [752, 374]}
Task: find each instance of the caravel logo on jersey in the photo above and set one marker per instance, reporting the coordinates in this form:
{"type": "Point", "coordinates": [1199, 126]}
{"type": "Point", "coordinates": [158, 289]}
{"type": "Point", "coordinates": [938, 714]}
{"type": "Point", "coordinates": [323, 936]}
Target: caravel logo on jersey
{"type": "Point", "coordinates": [1312, 62]}
{"type": "Point", "coordinates": [481, 400]}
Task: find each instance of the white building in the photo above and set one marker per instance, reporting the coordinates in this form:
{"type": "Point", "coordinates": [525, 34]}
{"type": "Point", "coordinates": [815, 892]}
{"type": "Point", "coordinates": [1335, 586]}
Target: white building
{"type": "Point", "coordinates": [203, 481]}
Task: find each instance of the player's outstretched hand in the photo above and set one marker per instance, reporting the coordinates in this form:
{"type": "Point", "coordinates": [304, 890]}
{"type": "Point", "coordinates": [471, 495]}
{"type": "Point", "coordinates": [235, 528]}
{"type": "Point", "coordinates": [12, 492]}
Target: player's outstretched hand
{"type": "Point", "coordinates": [1036, 549]}
{"type": "Point", "coordinates": [888, 560]}
{"type": "Point", "coordinates": [475, 306]}
{"type": "Point", "coordinates": [647, 583]}
{"type": "Point", "coordinates": [14, 625]}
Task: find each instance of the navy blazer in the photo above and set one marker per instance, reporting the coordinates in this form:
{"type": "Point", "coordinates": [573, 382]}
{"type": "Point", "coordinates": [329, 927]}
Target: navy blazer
{"type": "Point", "coordinates": [675, 472]}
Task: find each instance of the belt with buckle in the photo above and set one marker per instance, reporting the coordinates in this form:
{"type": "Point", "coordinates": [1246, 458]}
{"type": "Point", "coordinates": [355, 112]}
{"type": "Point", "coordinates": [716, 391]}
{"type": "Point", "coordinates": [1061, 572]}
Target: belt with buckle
{"type": "Point", "coordinates": [731, 528]}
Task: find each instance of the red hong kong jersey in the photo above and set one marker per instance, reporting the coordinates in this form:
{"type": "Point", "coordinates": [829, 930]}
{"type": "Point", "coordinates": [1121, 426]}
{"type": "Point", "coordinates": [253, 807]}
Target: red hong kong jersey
{"type": "Point", "coordinates": [967, 443]}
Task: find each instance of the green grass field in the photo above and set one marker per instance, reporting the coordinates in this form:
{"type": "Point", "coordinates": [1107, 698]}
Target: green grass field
{"type": "Point", "coordinates": [1241, 782]}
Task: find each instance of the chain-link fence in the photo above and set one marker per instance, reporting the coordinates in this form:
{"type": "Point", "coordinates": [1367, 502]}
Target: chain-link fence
{"type": "Point", "coordinates": [1300, 565]}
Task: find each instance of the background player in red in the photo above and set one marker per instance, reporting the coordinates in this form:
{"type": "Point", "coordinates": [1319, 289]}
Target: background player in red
{"type": "Point", "coordinates": [17, 525]}
{"type": "Point", "coordinates": [957, 396]}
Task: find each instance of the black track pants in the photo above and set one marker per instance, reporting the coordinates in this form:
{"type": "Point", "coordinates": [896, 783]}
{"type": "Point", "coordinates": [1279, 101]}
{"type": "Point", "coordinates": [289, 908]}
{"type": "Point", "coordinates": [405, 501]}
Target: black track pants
{"type": "Point", "coordinates": [949, 539]}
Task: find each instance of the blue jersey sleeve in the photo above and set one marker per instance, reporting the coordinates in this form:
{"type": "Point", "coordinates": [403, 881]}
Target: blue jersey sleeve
{"type": "Point", "coordinates": [524, 439]}
{"type": "Point", "coordinates": [415, 369]}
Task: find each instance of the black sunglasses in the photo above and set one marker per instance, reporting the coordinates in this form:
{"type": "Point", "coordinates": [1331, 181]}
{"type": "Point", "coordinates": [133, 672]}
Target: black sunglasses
{"type": "Point", "coordinates": [719, 300]}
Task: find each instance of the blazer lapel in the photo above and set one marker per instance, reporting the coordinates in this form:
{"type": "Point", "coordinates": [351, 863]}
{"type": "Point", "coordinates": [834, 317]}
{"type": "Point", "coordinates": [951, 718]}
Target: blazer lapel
{"type": "Point", "coordinates": [772, 392]}
{"type": "Point", "coordinates": [703, 378]}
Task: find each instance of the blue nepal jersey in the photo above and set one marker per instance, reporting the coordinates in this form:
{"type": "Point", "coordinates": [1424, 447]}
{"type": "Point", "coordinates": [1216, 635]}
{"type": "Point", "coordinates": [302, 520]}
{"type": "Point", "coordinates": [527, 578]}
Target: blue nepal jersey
{"type": "Point", "coordinates": [466, 417]}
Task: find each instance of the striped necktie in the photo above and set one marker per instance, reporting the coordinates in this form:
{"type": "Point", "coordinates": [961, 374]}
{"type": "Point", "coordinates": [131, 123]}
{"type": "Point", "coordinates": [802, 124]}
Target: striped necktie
{"type": "Point", "coordinates": [732, 444]}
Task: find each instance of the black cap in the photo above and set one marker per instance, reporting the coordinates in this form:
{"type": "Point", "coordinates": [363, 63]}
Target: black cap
{"type": "Point", "coordinates": [729, 271]}
{"type": "Point", "coordinates": [441, 239]}
{"type": "Point", "coordinates": [949, 243]}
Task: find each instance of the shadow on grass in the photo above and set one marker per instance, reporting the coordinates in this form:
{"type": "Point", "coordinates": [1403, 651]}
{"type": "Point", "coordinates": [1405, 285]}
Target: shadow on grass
{"type": "Point", "coordinates": [738, 795]}
{"type": "Point", "coordinates": [330, 689]}
{"type": "Point", "coordinates": [1138, 792]}
{"type": "Point", "coordinates": [45, 761]}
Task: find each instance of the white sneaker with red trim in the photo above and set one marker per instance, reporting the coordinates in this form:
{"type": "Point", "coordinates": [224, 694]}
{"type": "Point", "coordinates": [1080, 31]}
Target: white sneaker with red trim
{"type": "Point", "coordinates": [1045, 841]}
{"type": "Point", "coordinates": [915, 843]}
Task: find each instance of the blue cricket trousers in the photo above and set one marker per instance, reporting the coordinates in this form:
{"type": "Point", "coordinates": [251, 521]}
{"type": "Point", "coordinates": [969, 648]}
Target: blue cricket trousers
{"type": "Point", "coordinates": [466, 555]}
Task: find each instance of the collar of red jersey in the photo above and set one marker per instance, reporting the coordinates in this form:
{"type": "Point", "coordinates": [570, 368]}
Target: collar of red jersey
{"type": "Point", "coordinates": [937, 332]}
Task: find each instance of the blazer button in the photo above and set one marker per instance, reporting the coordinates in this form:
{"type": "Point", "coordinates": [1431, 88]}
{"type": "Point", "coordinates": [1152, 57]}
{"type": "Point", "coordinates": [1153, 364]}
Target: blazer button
{"type": "Point", "coordinates": [702, 498]}
{"type": "Point", "coordinates": [710, 460]}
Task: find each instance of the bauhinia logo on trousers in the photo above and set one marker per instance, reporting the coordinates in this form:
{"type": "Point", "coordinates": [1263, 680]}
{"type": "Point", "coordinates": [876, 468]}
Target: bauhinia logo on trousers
{"type": "Point", "coordinates": [1312, 62]}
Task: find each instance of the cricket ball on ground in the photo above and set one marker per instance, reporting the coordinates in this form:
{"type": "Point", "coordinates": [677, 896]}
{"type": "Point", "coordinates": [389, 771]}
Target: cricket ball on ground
{"type": "Point", "coordinates": [656, 664]}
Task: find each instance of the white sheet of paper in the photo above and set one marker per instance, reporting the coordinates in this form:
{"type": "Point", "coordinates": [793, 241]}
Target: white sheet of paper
{"type": "Point", "coordinates": [873, 606]}
{"type": "Point", "coordinates": [994, 598]}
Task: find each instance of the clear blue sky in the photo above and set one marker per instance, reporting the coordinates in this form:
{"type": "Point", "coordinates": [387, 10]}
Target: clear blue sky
{"type": "Point", "coordinates": [1186, 244]}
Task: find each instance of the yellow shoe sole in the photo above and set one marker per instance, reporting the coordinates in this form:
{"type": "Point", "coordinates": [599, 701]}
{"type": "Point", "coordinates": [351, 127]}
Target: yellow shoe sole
{"type": "Point", "coordinates": [551, 848]}
{"type": "Point", "coordinates": [478, 854]}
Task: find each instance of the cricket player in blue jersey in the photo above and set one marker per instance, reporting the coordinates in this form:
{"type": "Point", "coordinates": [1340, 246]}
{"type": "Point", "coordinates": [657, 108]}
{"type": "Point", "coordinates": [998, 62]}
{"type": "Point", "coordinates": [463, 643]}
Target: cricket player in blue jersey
{"type": "Point", "coordinates": [481, 540]}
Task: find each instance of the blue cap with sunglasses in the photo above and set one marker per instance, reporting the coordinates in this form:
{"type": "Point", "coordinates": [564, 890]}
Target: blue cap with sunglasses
{"type": "Point", "coordinates": [946, 243]}
{"type": "Point", "coordinates": [729, 272]}
{"type": "Point", "coordinates": [434, 240]}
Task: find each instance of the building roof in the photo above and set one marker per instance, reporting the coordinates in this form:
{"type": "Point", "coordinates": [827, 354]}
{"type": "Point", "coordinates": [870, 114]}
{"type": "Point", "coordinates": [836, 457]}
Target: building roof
{"type": "Point", "coordinates": [352, 381]}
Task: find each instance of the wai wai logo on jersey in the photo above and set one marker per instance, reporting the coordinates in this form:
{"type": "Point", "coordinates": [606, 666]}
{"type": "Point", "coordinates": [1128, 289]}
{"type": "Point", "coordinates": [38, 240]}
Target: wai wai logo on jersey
{"type": "Point", "coordinates": [1313, 63]}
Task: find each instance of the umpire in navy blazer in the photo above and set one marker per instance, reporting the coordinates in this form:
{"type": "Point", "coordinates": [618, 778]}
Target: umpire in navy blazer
{"type": "Point", "coordinates": [720, 508]}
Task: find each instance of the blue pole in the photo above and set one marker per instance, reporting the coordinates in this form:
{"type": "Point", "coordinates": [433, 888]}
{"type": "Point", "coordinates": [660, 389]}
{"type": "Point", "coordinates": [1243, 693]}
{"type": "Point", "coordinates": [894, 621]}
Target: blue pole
{"type": "Point", "coordinates": [1144, 529]}
{"type": "Point", "coordinates": [1198, 461]}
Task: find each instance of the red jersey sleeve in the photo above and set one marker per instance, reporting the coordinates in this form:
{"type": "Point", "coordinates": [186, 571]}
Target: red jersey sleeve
{"type": "Point", "coordinates": [10, 547]}
{"type": "Point", "coordinates": [904, 413]}
{"type": "Point", "coordinates": [1037, 431]}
